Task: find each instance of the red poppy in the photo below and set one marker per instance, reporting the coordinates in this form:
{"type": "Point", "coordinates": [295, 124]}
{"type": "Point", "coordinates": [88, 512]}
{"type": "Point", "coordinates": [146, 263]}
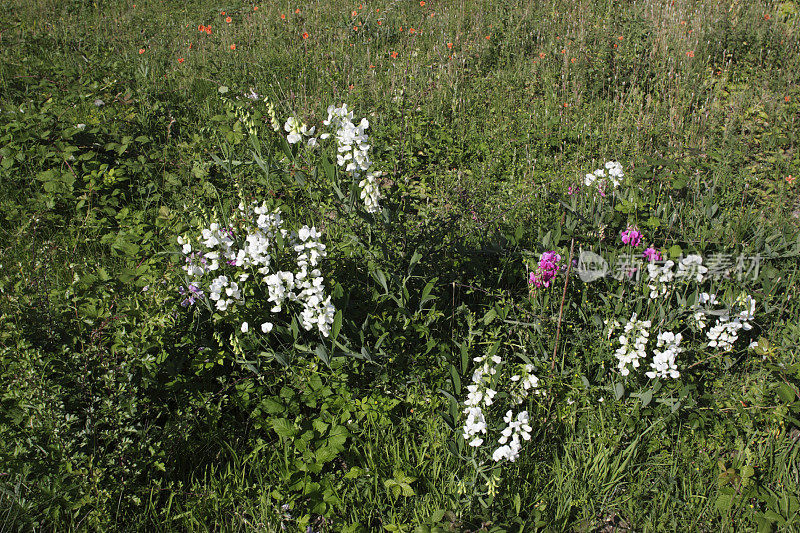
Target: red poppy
{"type": "Point", "coordinates": [228, 20]}
{"type": "Point", "coordinates": [233, 47]}
{"type": "Point", "coordinates": [141, 51]}
{"type": "Point", "coordinates": [305, 35]}
{"type": "Point", "coordinates": [181, 60]}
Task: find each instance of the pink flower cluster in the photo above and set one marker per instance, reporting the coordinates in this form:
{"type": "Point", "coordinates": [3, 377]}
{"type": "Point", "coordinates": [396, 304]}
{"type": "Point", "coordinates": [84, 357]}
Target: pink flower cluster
{"type": "Point", "coordinates": [632, 237]}
{"type": "Point", "coordinates": [652, 255]}
{"type": "Point", "coordinates": [548, 268]}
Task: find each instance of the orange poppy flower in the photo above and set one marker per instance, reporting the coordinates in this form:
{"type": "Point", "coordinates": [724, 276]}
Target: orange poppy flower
{"type": "Point", "coordinates": [181, 60]}
{"type": "Point", "coordinates": [767, 17]}
{"type": "Point", "coordinates": [223, 13]}
{"type": "Point", "coordinates": [541, 55]}
{"type": "Point", "coordinates": [228, 20]}
{"type": "Point", "coordinates": [354, 13]}
{"type": "Point", "coordinates": [208, 30]}
{"type": "Point", "coordinates": [411, 30]}
{"type": "Point", "coordinates": [283, 17]}
{"type": "Point", "coordinates": [372, 66]}
{"type": "Point", "coordinates": [787, 98]}
{"type": "Point", "coordinates": [355, 28]}
{"type": "Point", "coordinates": [565, 104]}
{"type": "Point", "coordinates": [141, 51]}
{"type": "Point", "coordinates": [422, 3]}
{"type": "Point", "coordinates": [351, 86]}
{"type": "Point", "coordinates": [394, 55]}
{"type": "Point", "coordinates": [233, 47]}
{"type": "Point", "coordinates": [401, 28]}
{"type": "Point", "coordinates": [790, 179]}
{"type": "Point", "coordinates": [255, 8]}
{"type": "Point", "coordinates": [487, 37]}
{"type": "Point", "coordinates": [380, 23]}
{"type": "Point", "coordinates": [690, 53]}
{"type": "Point", "coordinates": [297, 11]}
{"type": "Point", "coordinates": [201, 28]}
{"type": "Point", "coordinates": [450, 45]}
{"type": "Point", "coordinates": [573, 60]}
{"type": "Point", "coordinates": [305, 35]}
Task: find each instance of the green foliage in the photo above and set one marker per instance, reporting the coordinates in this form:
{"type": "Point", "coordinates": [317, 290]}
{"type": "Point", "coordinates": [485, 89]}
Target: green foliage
{"type": "Point", "coordinates": [120, 409]}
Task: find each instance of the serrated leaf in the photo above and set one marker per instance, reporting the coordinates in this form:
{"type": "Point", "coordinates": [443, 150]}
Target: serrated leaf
{"type": "Point", "coordinates": [284, 428]}
{"type": "Point", "coordinates": [786, 393]}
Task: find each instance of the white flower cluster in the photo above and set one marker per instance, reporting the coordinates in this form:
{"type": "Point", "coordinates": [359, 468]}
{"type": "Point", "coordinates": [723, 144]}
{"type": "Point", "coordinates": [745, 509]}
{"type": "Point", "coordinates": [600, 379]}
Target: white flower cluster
{"type": "Point", "coordinates": [691, 267]}
{"type": "Point", "coordinates": [663, 364]}
{"type": "Point", "coordinates": [353, 152]}
{"type": "Point", "coordinates": [660, 278]}
{"type": "Point", "coordinates": [510, 443]}
{"type": "Point", "coordinates": [297, 131]}
{"type": "Point", "coordinates": [611, 173]}
{"type": "Point", "coordinates": [523, 384]}
{"type": "Point", "coordinates": [481, 394]}
{"type": "Point", "coordinates": [254, 249]}
{"type": "Point", "coordinates": [699, 315]}
{"type": "Point", "coordinates": [629, 351]}
{"type": "Point", "coordinates": [725, 332]}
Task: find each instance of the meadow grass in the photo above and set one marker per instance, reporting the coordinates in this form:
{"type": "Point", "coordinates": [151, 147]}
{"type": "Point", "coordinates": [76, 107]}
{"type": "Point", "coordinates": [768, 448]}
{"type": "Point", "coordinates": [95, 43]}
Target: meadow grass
{"type": "Point", "coordinates": [480, 112]}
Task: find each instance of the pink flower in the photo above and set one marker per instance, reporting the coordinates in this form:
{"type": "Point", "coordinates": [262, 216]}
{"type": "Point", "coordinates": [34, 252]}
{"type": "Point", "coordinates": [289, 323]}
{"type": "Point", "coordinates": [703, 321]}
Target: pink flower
{"type": "Point", "coordinates": [548, 268]}
{"type": "Point", "coordinates": [632, 237]}
{"type": "Point", "coordinates": [651, 254]}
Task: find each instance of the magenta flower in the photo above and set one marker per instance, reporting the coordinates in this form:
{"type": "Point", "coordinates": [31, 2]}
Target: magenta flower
{"type": "Point", "coordinates": [651, 254]}
{"type": "Point", "coordinates": [548, 268]}
{"type": "Point", "coordinates": [632, 237]}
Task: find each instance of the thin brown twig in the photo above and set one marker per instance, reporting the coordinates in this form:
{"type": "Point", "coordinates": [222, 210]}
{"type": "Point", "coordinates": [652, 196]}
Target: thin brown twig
{"type": "Point", "coordinates": [561, 307]}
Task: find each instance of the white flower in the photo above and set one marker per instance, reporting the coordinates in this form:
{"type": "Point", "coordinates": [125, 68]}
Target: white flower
{"type": "Point", "coordinates": [245, 327]}
{"type": "Point", "coordinates": [266, 327]}
{"type": "Point", "coordinates": [293, 127]}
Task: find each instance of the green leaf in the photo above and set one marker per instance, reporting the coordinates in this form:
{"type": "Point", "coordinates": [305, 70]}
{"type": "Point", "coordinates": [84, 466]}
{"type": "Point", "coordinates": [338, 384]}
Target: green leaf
{"type": "Point", "coordinates": [786, 393]}
{"type": "Point", "coordinates": [326, 454]}
{"type": "Point", "coordinates": [284, 428]}
{"type": "Point", "coordinates": [619, 391]}
{"type": "Point", "coordinates": [337, 325]}
{"type": "Point", "coordinates": [724, 500]}
{"type": "Point", "coordinates": [456, 380]}
{"type": "Point", "coordinates": [646, 397]}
